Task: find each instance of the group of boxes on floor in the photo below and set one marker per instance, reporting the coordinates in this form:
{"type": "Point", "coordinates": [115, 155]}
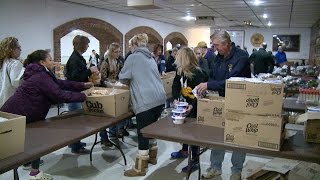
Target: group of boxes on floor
{"type": "Point", "coordinates": [250, 113]}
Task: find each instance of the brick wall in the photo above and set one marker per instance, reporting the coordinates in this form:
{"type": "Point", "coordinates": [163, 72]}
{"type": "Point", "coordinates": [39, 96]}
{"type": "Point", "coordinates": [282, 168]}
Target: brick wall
{"type": "Point", "coordinates": [153, 36]}
{"type": "Point", "coordinates": [103, 31]}
{"type": "Point", "coordinates": [175, 38]}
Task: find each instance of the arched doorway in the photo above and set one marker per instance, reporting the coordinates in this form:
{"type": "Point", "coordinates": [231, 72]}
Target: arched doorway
{"type": "Point", "coordinates": [176, 38]}
{"type": "Point", "coordinates": [153, 35]}
{"type": "Point", "coordinates": [101, 30]}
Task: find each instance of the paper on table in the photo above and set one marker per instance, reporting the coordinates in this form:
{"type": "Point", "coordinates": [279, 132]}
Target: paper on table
{"type": "Point", "coordinates": [280, 165]}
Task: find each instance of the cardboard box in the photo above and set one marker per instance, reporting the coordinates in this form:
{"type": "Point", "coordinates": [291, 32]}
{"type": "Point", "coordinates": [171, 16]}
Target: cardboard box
{"type": "Point", "coordinates": [311, 122]}
{"type": "Point", "coordinates": [246, 95]}
{"type": "Point", "coordinates": [167, 82]}
{"type": "Point", "coordinates": [210, 111]}
{"type": "Point", "coordinates": [115, 104]}
{"type": "Point", "coordinates": [264, 132]}
{"type": "Point", "coordinates": [12, 134]}
{"type": "Point", "coordinates": [277, 168]}
{"type": "Point", "coordinates": [305, 171]}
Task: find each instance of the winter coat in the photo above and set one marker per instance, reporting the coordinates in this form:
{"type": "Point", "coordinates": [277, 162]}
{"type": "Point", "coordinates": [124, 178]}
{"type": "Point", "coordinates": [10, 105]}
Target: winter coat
{"type": "Point", "coordinates": [76, 68]}
{"type": "Point", "coordinates": [39, 90]}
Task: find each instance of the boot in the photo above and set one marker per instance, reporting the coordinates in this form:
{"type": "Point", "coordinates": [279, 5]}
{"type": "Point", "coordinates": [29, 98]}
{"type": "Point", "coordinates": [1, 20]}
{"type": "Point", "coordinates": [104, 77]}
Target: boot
{"type": "Point", "coordinates": [140, 167]}
{"type": "Point", "coordinates": [153, 151]}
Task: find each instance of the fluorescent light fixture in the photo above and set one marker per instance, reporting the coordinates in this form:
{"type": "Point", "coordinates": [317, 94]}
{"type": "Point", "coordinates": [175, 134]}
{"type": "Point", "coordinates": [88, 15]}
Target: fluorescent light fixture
{"type": "Point", "coordinates": [188, 18]}
{"type": "Point", "coordinates": [257, 2]}
{"type": "Point", "coordinates": [269, 24]}
{"type": "Point", "coordinates": [265, 16]}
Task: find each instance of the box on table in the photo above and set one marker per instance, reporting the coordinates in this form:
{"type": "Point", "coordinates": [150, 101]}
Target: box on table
{"type": "Point", "coordinates": [167, 82]}
{"type": "Point", "coordinates": [210, 111]}
{"type": "Point", "coordinates": [115, 103]}
{"type": "Point", "coordinates": [247, 95]}
{"type": "Point", "coordinates": [264, 132]}
{"type": "Point", "coordinates": [311, 122]}
{"type": "Point", "coordinates": [12, 134]}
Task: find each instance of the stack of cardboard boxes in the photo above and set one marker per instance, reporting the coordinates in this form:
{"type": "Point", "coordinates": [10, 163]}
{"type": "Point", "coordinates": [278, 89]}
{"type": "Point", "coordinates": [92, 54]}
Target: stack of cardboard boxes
{"type": "Point", "coordinates": [253, 113]}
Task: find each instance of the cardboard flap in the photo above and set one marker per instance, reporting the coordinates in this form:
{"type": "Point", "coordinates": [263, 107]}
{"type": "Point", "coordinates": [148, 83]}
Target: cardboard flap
{"type": "Point", "coordinates": [308, 116]}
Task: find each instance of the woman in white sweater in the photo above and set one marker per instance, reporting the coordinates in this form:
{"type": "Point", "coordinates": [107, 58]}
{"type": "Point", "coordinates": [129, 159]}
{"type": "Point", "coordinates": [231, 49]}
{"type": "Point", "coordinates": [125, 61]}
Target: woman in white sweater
{"type": "Point", "coordinates": [11, 69]}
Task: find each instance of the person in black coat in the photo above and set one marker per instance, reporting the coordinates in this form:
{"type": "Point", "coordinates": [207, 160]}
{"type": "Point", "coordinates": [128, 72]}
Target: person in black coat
{"type": "Point", "coordinates": [170, 66]}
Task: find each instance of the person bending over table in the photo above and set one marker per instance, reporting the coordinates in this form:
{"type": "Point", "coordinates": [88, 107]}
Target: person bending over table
{"type": "Point", "coordinates": [188, 75]}
{"type": "Point", "coordinates": [38, 91]}
{"type": "Point", "coordinates": [230, 62]}
{"type": "Point", "coordinates": [147, 97]}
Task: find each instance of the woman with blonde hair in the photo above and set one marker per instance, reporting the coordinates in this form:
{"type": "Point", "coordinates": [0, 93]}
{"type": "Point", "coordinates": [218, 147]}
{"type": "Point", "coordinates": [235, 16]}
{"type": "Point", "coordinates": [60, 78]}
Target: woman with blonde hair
{"type": "Point", "coordinates": [11, 69]}
{"type": "Point", "coordinates": [140, 71]}
{"type": "Point", "coordinates": [188, 76]}
{"type": "Point", "coordinates": [110, 69]}
{"type": "Point", "coordinates": [111, 65]}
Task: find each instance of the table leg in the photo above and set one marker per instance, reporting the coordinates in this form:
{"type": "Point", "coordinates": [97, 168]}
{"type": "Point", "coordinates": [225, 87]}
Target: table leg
{"type": "Point", "coordinates": [95, 142]}
{"type": "Point", "coordinates": [119, 148]}
{"type": "Point", "coordinates": [189, 163]}
{"type": "Point", "coordinates": [15, 174]}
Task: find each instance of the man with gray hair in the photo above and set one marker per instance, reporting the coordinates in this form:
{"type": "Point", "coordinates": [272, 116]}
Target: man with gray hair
{"type": "Point", "coordinates": [281, 56]}
{"type": "Point", "coordinates": [230, 62]}
{"type": "Point", "coordinates": [261, 60]}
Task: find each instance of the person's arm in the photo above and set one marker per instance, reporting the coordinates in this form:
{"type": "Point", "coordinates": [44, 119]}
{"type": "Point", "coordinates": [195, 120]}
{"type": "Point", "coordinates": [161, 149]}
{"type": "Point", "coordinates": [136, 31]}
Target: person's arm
{"type": "Point", "coordinates": [240, 69]}
{"type": "Point", "coordinates": [176, 87]}
{"type": "Point", "coordinates": [56, 94]}
{"type": "Point", "coordinates": [16, 71]}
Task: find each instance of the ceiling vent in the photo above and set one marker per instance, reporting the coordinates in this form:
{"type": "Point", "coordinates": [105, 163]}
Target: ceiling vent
{"type": "Point", "coordinates": [204, 20]}
{"type": "Point", "coordinates": [142, 4]}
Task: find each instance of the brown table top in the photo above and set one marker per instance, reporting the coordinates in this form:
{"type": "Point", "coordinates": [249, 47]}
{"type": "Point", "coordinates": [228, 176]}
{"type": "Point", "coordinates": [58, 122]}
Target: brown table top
{"type": "Point", "coordinates": [212, 137]}
{"type": "Point", "coordinates": [44, 137]}
{"type": "Point", "coordinates": [290, 104]}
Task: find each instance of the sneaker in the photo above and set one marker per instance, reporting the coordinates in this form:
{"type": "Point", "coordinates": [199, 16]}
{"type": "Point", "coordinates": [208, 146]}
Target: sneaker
{"type": "Point", "coordinates": [210, 173]}
{"type": "Point", "coordinates": [179, 154]}
{"type": "Point", "coordinates": [123, 132]}
{"type": "Point", "coordinates": [41, 176]}
{"type": "Point", "coordinates": [106, 143]}
{"type": "Point", "coordinates": [28, 165]}
{"type": "Point", "coordinates": [83, 144]}
{"type": "Point", "coordinates": [236, 176]}
{"type": "Point", "coordinates": [80, 151]}
{"type": "Point", "coordinates": [195, 166]}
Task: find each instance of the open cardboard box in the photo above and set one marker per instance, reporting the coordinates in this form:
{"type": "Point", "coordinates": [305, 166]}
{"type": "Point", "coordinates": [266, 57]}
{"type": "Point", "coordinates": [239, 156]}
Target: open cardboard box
{"type": "Point", "coordinates": [311, 122]}
{"type": "Point", "coordinates": [114, 104]}
{"type": "Point", "coordinates": [12, 134]}
{"type": "Point", "coordinates": [211, 111]}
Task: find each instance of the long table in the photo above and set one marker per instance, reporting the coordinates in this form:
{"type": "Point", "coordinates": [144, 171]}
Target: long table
{"type": "Point", "coordinates": [44, 137]}
{"type": "Point", "coordinates": [212, 137]}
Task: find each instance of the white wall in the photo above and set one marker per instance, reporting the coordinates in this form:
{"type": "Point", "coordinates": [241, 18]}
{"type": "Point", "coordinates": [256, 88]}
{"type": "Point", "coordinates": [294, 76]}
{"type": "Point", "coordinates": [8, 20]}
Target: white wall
{"type": "Point", "coordinates": [268, 32]}
{"type": "Point", "coordinates": [195, 35]}
{"type": "Point", "coordinates": [33, 21]}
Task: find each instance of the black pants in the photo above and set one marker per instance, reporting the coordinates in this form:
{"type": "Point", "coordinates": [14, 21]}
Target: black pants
{"type": "Point", "coordinates": [35, 164]}
{"type": "Point", "coordinates": [144, 119]}
{"type": "Point", "coordinates": [194, 149]}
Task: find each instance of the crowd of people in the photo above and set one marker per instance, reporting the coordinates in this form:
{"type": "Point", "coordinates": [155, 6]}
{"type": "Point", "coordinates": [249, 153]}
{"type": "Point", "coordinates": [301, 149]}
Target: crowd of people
{"type": "Point", "coordinates": [29, 87]}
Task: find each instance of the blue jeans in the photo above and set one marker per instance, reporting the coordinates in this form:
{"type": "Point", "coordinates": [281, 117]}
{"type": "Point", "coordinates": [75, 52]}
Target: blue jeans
{"type": "Point", "coordinates": [112, 130]}
{"type": "Point", "coordinates": [73, 107]}
{"type": "Point", "coordinates": [237, 160]}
